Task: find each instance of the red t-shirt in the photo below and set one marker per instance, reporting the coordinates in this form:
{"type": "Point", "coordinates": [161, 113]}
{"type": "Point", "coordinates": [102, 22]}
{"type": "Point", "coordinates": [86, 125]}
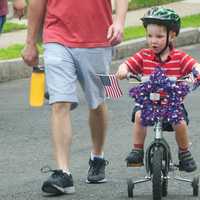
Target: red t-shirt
{"type": "Point", "coordinates": [144, 62]}
{"type": "Point", "coordinates": [3, 7]}
{"type": "Point", "coordinates": [78, 23]}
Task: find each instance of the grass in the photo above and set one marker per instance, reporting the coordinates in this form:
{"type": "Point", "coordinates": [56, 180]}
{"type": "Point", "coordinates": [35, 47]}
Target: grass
{"type": "Point", "coordinates": [14, 51]}
{"type": "Point", "coordinates": [10, 27]}
{"type": "Point", "coordinates": [133, 32]}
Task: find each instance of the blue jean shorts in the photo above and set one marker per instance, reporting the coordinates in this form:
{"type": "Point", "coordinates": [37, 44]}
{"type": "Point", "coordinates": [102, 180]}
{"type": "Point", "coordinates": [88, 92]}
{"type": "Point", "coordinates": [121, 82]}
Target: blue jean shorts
{"type": "Point", "coordinates": [2, 21]}
{"type": "Point", "coordinates": [65, 66]}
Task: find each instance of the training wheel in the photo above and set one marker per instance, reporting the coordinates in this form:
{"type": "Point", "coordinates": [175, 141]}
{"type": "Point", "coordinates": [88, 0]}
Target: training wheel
{"type": "Point", "coordinates": [195, 186]}
{"type": "Point", "coordinates": [130, 188]}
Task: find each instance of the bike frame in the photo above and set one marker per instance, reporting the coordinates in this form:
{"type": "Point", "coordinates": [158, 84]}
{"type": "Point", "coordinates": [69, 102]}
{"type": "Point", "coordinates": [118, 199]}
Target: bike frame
{"type": "Point", "coordinates": [158, 142]}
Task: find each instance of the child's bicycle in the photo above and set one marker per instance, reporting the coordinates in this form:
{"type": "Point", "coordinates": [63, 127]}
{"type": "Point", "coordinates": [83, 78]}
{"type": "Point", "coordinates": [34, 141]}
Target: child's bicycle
{"type": "Point", "coordinates": [158, 158]}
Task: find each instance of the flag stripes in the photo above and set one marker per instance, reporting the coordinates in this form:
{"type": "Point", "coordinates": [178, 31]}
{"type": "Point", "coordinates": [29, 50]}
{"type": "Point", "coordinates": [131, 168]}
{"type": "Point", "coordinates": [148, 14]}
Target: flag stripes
{"type": "Point", "coordinates": [111, 86]}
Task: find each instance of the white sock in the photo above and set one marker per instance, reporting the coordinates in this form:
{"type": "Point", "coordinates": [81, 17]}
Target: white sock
{"type": "Point", "coordinates": [66, 171]}
{"type": "Point", "coordinates": [96, 156]}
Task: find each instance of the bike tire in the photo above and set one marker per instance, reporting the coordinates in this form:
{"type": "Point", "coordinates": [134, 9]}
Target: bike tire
{"type": "Point", "coordinates": [157, 173]}
{"type": "Point", "coordinates": [195, 186]}
{"type": "Point", "coordinates": [165, 187]}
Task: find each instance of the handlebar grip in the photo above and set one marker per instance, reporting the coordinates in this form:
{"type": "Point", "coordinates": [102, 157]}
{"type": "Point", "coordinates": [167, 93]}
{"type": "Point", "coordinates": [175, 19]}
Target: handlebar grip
{"type": "Point", "coordinates": [134, 76]}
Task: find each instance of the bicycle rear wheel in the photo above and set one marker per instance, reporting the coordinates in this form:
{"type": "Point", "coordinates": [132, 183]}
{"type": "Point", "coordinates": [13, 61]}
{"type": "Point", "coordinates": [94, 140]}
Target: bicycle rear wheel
{"type": "Point", "coordinates": [157, 174]}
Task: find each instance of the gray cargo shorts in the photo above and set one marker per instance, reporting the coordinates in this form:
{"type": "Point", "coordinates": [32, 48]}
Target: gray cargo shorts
{"type": "Point", "coordinates": [65, 66]}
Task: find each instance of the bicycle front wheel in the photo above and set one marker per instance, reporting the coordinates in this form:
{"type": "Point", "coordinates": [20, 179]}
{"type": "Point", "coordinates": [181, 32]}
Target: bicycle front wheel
{"type": "Point", "coordinates": [157, 174]}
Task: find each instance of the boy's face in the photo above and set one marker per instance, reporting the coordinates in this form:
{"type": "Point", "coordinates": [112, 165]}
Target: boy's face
{"type": "Point", "coordinates": [156, 37]}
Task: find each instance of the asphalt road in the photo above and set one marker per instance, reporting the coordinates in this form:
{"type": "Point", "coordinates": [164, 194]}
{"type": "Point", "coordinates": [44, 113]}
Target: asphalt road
{"type": "Point", "coordinates": [25, 147]}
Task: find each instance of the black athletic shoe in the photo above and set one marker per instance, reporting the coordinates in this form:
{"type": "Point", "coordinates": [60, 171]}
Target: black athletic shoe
{"type": "Point", "coordinates": [135, 158]}
{"type": "Point", "coordinates": [96, 172]}
{"type": "Point", "coordinates": [186, 162]}
{"type": "Point", "coordinates": [58, 183]}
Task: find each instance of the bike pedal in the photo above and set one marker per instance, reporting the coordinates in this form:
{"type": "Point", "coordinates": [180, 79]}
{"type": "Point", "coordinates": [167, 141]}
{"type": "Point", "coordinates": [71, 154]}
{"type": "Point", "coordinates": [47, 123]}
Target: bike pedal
{"type": "Point", "coordinates": [135, 164]}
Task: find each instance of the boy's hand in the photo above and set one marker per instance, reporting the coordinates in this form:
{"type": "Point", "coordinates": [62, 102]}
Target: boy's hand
{"type": "Point", "coordinates": [196, 83]}
{"type": "Point", "coordinates": [122, 72]}
{"type": "Point", "coordinates": [197, 78]}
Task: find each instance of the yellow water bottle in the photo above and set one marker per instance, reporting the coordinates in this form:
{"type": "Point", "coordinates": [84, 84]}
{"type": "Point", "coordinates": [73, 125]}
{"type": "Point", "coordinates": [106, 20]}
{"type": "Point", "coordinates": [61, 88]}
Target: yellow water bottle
{"type": "Point", "coordinates": [37, 87]}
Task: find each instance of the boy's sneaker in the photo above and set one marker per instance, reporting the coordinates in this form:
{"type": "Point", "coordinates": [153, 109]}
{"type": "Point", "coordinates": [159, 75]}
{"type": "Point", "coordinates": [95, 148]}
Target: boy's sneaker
{"type": "Point", "coordinates": [58, 183]}
{"type": "Point", "coordinates": [135, 158]}
{"type": "Point", "coordinates": [96, 172]}
{"type": "Point", "coordinates": [186, 162]}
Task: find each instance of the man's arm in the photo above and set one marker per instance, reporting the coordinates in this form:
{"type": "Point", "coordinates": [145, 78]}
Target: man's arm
{"type": "Point", "coordinates": [121, 9]}
{"type": "Point", "coordinates": [115, 32]}
{"type": "Point", "coordinates": [36, 13]}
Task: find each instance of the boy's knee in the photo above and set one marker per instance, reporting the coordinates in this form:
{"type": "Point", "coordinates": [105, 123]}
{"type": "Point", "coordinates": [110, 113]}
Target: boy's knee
{"type": "Point", "coordinates": [181, 123]}
{"type": "Point", "coordinates": [138, 117]}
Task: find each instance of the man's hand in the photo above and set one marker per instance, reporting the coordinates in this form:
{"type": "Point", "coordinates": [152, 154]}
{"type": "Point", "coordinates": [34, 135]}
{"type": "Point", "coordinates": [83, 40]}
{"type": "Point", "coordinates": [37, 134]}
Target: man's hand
{"type": "Point", "coordinates": [30, 55]}
{"type": "Point", "coordinates": [122, 72]}
{"type": "Point", "coordinates": [115, 33]}
{"type": "Point", "coordinates": [19, 8]}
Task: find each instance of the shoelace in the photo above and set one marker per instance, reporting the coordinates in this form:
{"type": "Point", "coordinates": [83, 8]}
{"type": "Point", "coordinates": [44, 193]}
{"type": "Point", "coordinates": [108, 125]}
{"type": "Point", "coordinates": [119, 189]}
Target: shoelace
{"type": "Point", "coordinates": [96, 166]}
{"type": "Point", "coordinates": [47, 169]}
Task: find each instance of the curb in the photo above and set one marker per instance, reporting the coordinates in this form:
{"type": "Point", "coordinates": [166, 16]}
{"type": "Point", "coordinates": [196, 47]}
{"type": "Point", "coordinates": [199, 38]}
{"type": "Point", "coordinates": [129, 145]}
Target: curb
{"type": "Point", "coordinates": [186, 37]}
{"type": "Point", "coordinates": [17, 69]}
{"type": "Point", "coordinates": [13, 69]}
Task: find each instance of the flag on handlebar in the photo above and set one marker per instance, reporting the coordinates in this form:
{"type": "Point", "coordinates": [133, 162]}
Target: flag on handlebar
{"type": "Point", "coordinates": [110, 85]}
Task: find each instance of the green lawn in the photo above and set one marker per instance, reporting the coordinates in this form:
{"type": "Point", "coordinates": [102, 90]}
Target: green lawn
{"type": "Point", "coordinates": [14, 51]}
{"type": "Point", "coordinates": [138, 31]}
{"type": "Point", "coordinates": [9, 27]}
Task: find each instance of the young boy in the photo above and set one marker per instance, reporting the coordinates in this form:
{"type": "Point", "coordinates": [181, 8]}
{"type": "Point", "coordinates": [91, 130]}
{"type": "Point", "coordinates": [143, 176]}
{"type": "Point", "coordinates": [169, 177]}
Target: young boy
{"type": "Point", "coordinates": [162, 26]}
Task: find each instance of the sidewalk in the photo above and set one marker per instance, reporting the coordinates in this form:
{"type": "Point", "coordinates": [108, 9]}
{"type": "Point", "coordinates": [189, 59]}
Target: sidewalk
{"type": "Point", "coordinates": [184, 8]}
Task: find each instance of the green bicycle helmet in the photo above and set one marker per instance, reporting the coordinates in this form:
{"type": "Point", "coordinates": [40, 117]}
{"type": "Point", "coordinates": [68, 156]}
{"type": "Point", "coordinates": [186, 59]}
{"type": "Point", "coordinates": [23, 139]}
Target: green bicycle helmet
{"type": "Point", "coordinates": [163, 16]}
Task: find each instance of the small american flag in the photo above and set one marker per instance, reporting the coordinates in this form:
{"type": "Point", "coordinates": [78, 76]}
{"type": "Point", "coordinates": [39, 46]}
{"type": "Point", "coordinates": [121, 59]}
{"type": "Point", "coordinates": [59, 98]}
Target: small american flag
{"type": "Point", "coordinates": [111, 85]}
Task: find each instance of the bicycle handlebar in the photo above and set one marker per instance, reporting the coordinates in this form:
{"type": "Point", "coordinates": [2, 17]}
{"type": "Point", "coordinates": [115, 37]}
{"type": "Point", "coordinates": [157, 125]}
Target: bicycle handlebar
{"type": "Point", "coordinates": [143, 79]}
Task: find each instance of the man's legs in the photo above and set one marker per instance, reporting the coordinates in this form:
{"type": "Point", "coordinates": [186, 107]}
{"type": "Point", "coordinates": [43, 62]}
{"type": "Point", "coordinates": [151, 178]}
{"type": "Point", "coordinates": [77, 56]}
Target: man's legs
{"type": "Point", "coordinates": [61, 84]}
{"type": "Point", "coordinates": [61, 180]}
{"type": "Point", "coordinates": [90, 62]}
{"type": "Point", "coordinates": [98, 126]}
{"type": "Point", "coordinates": [61, 134]}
